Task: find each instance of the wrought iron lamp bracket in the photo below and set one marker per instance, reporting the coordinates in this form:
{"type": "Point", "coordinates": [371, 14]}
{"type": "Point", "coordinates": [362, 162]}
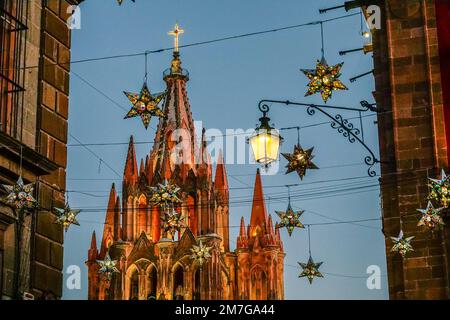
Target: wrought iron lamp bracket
{"type": "Point", "coordinates": [338, 122]}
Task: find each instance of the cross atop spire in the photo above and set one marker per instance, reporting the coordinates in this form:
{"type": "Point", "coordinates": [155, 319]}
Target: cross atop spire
{"type": "Point", "coordinates": [176, 32]}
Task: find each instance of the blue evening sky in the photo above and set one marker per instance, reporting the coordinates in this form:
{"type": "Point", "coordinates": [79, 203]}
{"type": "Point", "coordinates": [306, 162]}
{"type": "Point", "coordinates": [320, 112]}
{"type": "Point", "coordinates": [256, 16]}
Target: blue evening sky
{"type": "Point", "coordinates": [227, 81]}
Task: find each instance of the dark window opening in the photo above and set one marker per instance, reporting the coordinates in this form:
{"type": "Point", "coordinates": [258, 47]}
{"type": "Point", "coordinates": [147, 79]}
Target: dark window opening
{"type": "Point", "coordinates": [12, 64]}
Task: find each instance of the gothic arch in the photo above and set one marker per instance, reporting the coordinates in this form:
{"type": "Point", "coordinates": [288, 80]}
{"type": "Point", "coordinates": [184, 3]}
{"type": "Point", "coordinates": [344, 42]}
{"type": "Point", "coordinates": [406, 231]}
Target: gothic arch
{"type": "Point", "coordinates": [258, 281]}
{"type": "Point", "coordinates": [151, 281]}
{"type": "Point", "coordinates": [132, 283]}
{"type": "Point", "coordinates": [178, 282]}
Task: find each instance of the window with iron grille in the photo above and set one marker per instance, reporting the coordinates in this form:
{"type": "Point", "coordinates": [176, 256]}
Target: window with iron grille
{"type": "Point", "coordinates": [12, 64]}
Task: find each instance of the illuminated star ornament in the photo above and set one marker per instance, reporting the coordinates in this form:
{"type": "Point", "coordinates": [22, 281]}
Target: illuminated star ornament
{"type": "Point", "coordinates": [173, 222]}
{"type": "Point", "coordinates": [20, 195]}
{"type": "Point", "coordinates": [145, 105]}
{"type": "Point", "coordinates": [67, 217]}
{"type": "Point", "coordinates": [290, 219]}
{"type": "Point", "coordinates": [440, 190]}
{"type": "Point", "coordinates": [402, 244]}
{"type": "Point", "coordinates": [165, 194]}
{"type": "Point", "coordinates": [201, 253]}
{"type": "Point", "coordinates": [107, 267]}
{"type": "Point", "coordinates": [324, 79]}
{"type": "Point", "coordinates": [431, 217]}
{"type": "Point", "coordinates": [310, 270]}
{"type": "Point", "coordinates": [300, 160]}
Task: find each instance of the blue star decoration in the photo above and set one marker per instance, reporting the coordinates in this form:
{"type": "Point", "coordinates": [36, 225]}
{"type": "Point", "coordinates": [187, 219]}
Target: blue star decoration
{"type": "Point", "coordinates": [310, 270]}
{"type": "Point", "coordinates": [107, 267]}
{"type": "Point", "coordinates": [431, 217]}
{"type": "Point", "coordinates": [402, 244]}
{"type": "Point", "coordinates": [290, 219]}
{"type": "Point", "coordinates": [145, 105]}
{"type": "Point", "coordinates": [20, 195]}
{"type": "Point", "coordinates": [67, 217]}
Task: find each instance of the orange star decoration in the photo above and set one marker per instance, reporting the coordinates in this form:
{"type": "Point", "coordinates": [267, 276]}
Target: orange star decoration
{"type": "Point", "coordinates": [145, 105]}
{"type": "Point", "coordinates": [300, 161]}
{"type": "Point", "coordinates": [324, 79]}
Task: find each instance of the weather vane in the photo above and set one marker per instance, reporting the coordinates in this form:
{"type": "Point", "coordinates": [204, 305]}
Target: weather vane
{"type": "Point", "coordinates": [176, 32]}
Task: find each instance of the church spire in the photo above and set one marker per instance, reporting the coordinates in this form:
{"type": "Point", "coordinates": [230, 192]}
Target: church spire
{"type": "Point", "coordinates": [259, 217]}
{"type": "Point", "coordinates": [176, 129]}
{"type": "Point", "coordinates": [221, 180]}
{"type": "Point", "coordinates": [131, 170]}
{"type": "Point", "coordinates": [93, 252]}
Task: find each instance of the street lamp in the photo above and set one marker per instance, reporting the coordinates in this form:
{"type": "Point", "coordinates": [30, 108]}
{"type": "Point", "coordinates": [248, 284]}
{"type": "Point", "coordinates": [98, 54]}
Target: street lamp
{"type": "Point", "coordinates": [266, 140]}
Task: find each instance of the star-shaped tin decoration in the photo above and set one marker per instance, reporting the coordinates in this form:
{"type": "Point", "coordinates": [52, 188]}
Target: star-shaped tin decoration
{"type": "Point", "coordinates": [440, 190]}
{"type": "Point", "coordinates": [310, 270]}
{"type": "Point", "coordinates": [20, 195]}
{"type": "Point", "coordinates": [431, 217]}
{"type": "Point", "coordinates": [145, 105]}
{"type": "Point", "coordinates": [290, 219]}
{"type": "Point", "coordinates": [324, 79]}
{"type": "Point", "coordinates": [402, 244]}
{"type": "Point", "coordinates": [201, 253]}
{"type": "Point", "coordinates": [107, 267]}
{"type": "Point", "coordinates": [67, 217]}
{"type": "Point", "coordinates": [173, 222]}
{"type": "Point", "coordinates": [164, 194]}
{"type": "Point", "coordinates": [300, 160]}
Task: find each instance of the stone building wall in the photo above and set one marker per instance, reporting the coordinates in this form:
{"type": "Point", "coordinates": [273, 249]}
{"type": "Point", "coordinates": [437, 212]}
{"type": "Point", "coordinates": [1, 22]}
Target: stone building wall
{"type": "Point", "coordinates": [413, 143]}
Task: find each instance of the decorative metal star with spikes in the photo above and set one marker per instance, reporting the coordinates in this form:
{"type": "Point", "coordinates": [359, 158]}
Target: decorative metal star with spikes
{"type": "Point", "coordinates": [145, 105]}
{"type": "Point", "coordinates": [299, 161]}
{"type": "Point", "coordinates": [402, 245]}
{"type": "Point", "coordinates": [20, 195]}
{"type": "Point", "coordinates": [440, 190]}
{"type": "Point", "coordinates": [201, 253]}
{"type": "Point", "coordinates": [431, 217]}
{"type": "Point", "coordinates": [173, 222]}
{"type": "Point", "coordinates": [290, 219]}
{"type": "Point", "coordinates": [310, 270]}
{"type": "Point", "coordinates": [107, 267]}
{"type": "Point", "coordinates": [164, 194]}
{"type": "Point", "coordinates": [324, 79]}
{"type": "Point", "coordinates": [67, 217]}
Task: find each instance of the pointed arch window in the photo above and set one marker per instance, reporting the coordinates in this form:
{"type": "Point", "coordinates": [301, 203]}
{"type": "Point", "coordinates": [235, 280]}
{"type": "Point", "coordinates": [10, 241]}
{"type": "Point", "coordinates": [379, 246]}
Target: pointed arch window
{"type": "Point", "coordinates": [178, 283]}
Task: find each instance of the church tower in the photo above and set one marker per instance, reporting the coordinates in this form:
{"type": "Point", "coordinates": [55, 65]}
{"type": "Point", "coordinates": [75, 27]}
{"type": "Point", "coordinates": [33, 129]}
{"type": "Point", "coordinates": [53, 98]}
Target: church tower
{"type": "Point", "coordinates": [150, 265]}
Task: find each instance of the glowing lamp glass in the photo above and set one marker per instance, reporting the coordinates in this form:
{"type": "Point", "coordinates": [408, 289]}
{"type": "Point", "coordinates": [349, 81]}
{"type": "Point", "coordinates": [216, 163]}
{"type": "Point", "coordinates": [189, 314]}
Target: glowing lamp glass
{"type": "Point", "coordinates": [265, 144]}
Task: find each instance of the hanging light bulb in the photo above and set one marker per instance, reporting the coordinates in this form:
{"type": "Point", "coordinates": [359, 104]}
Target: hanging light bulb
{"type": "Point", "coordinates": [366, 34]}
